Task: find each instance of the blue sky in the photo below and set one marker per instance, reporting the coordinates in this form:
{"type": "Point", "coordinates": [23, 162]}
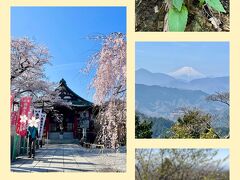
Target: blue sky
{"type": "Point", "coordinates": [64, 30]}
{"type": "Point", "coordinates": [222, 153]}
{"type": "Point", "coordinates": [209, 58]}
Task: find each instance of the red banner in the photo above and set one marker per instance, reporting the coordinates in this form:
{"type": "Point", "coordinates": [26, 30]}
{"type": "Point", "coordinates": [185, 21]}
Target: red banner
{"type": "Point", "coordinates": [14, 116]}
{"type": "Point", "coordinates": [47, 126]}
{"type": "Point", "coordinates": [11, 102]}
{"type": "Point", "coordinates": [24, 113]}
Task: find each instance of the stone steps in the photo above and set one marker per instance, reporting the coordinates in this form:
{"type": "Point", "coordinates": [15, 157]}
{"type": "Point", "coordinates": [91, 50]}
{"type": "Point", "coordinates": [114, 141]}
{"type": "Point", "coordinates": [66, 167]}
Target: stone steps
{"type": "Point", "coordinates": [66, 138]}
{"type": "Point", "coordinates": [56, 135]}
{"type": "Point", "coordinates": [62, 141]}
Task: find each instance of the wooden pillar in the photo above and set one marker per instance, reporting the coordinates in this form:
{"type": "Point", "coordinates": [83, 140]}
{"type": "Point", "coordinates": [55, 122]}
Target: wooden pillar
{"type": "Point", "coordinates": [90, 115]}
{"type": "Point", "coordinates": [47, 126]}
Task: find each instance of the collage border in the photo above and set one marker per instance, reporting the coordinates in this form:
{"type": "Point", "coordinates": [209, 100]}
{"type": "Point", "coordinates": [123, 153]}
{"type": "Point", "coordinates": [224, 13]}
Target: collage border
{"type": "Point", "coordinates": [233, 37]}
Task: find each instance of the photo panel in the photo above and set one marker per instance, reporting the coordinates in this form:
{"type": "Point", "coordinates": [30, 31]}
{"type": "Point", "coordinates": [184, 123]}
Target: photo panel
{"type": "Point", "coordinates": [182, 15]}
{"type": "Point", "coordinates": [182, 90]}
{"type": "Point", "coordinates": [176, 164]}
{"type": "Point", "coordinates": [68, 89]}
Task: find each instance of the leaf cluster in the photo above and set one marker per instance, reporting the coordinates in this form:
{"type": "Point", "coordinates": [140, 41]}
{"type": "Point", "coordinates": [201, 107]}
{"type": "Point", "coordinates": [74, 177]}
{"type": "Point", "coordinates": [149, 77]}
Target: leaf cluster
{"type": "Point", "coordinates": [178, 12]}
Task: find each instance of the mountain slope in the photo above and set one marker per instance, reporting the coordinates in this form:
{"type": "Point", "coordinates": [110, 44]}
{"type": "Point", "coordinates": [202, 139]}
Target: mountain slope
{"type": "Point", "coordinates": [167, 102]}
{"type": "Point", "coordinates": [144, 76]}
{"type": "Point", "coordinates": [211, 85]}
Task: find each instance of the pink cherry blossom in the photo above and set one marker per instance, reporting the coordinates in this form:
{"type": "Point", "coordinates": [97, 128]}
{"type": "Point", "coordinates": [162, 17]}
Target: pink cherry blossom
{"type": "Point", "coordinates": [110, 88]}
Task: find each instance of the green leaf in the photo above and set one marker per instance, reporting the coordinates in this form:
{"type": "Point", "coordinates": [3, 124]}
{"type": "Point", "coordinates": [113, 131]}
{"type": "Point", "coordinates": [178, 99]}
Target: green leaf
{"type": "Point", "coordinates": [201, 2]}
{"type": "Point", "coordinates": [177, 4]}
{"type": "Point", "coordinates": [216, 4]}
{"type": "Point", "coordinates": [177, 20]}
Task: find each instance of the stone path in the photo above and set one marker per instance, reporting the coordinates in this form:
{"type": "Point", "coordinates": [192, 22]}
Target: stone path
{"type": "Point", "coordinates": [71, 158]}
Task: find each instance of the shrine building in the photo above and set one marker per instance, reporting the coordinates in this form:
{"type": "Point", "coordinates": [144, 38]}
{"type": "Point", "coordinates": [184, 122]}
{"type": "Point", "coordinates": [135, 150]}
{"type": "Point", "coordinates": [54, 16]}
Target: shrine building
{"type": "Point", "coordinates": [72, 122]}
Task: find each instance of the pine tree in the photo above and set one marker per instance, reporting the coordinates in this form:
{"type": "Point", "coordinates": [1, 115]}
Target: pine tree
{"type": "Point", "coordinates": [143, 129]}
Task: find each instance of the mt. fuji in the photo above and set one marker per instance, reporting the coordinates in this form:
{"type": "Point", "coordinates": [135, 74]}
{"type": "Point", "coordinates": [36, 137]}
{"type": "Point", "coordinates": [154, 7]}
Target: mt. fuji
{"type": "Point", "coordinates": [187, 73]}
{"type": "Point", "coordinates": [193, 80]}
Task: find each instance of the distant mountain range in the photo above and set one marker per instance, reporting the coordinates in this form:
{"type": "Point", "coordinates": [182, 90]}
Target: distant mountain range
{"type": "Point", "coordinates": [161, 95]}
{"type": "Point", "coordinates": [205, 84]}
{"type": "Point", "coordinates": [166, 102]}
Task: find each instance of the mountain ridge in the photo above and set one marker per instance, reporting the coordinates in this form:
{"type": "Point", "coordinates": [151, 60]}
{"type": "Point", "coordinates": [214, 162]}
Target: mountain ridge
{"type": "Point", "coordinates": [167, 102]}
{"type": "Point", "coordinates": [207, 84]}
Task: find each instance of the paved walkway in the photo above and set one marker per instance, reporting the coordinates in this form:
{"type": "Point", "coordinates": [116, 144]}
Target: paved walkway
{"type": "Point", "coordinates": [71, 158]}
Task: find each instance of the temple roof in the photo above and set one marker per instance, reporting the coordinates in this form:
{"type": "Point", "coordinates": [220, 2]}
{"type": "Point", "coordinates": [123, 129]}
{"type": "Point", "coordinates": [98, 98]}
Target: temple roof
{"type": "Point", "coordinates": [67, 94]}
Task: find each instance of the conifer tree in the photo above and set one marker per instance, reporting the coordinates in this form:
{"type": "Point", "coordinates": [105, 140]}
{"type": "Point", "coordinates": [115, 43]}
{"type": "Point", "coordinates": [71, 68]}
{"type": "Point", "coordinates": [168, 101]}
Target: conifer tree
{"type": "Point", "coordinates": [143, 129]}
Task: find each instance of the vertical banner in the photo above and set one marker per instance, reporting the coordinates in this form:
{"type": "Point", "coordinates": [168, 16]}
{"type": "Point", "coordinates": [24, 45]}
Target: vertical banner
{"type": "Point", "coordinates": [24, 113]}
{"type": "Point", "coordinates": [37, 113]}
{"type": "Point", "coordinates": [14, 116]}
{"type": "Point", "coordinates": [47, 124]}
{"type": "Point", "coordinates": [41, 125]}
{"type": "Point", "coordinates": [11, 102]}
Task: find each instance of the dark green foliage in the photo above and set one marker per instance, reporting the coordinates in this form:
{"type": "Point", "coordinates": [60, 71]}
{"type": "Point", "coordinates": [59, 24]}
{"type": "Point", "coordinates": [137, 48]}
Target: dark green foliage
{"type": "Point", "coordinates": [160, 126]}
{"type": "Point", "coordinates": [194, 124]}
{"type": "Point", "coordinates": [143, 129]}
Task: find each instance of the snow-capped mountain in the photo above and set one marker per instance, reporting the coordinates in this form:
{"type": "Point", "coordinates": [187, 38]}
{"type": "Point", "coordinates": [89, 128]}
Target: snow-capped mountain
{"type": "Point", "coordinates": [209, 85]}
{"type": "Point", "coordinates": [187, 73]}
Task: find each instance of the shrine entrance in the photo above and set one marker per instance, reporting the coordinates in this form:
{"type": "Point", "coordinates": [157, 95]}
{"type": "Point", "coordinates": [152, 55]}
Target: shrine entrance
{"type": "Point", "coordinates": [71, 121]}
{"type": "Point", "coordinates": [71, 124]}
{"type": "Point", "coordinates": [61, 123]}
